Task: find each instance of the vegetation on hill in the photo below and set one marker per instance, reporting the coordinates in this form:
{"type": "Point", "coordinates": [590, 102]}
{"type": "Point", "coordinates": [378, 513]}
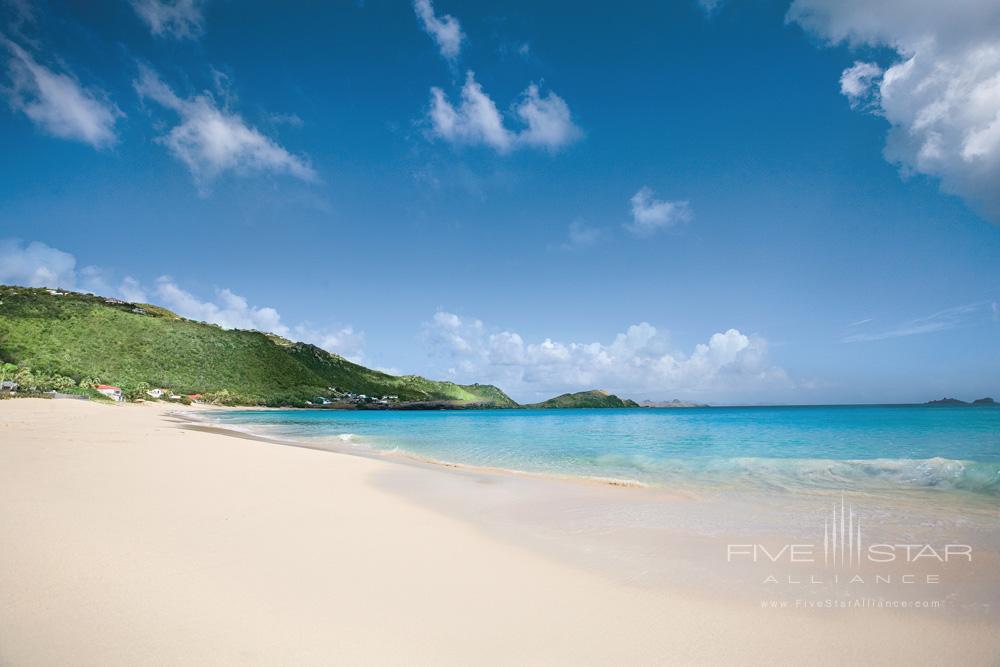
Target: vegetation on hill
{"type": "Point", "coordinates": [60, 340]}
{"type": "Point", "coordinates": [595, 398]}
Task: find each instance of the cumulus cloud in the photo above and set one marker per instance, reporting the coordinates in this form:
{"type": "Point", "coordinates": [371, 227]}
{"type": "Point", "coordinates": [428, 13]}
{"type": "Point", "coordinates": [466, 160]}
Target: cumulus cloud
{"type": "Point", "coordinates": [650, 215]}
{"type": "Point", "coordinates": [940, 94]}
{"type": "Point", "coordinates": [132, 290]}
{"type": "Point", "coordinates": [446, 30]}
{"type": "Point", "coordinates": [36, 265]}
{"type": "Point", "coordinates": [212, 140]}
{"type": "Point", "coordinates": [345, 341]}
{"type": "Point", "coordinates": [232, 311]}
{"type": "Point", "coordinates": [858, 84]}
{"type": "Point", "coordinates": [56, 102]}
{"type": "Point", "coordinates": [180, 19]}
{"type": "Point", "coordinates": [638, 362]}
{"type": "Point", "coordinates": [228, 310]}
{"type": "Point", "coordinates": [475, 121]}
{"type": "Point", "coordinates": [545, 119]}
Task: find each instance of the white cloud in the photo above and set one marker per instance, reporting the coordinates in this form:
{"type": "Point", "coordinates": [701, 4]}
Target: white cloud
{"type": "Point", "coordinates": [95, 280]}
{"type": "Point", "coordinates": [475, 121]}
{"type": "Point", "coordinates": [638, 362]}
{"type": "Point", "coordinates": [446, 30]}
{"type": "Point", "coordinates": [547, 119]}
{"type": "Point", "coordinates": [943, 320]}
{"type": "Point", "coordinates": [581, 235]}
{"type": "Point", "coordinates": [858, 83]}
{"type": "Point", "coordinates": [650, 215]}
{"type": "Point", "coordinates": [344, 341]}
{"type": "Point", "coordinates": [940, 96]}
{"type": "Point", "coordinates": [181, 19]}
{"type": "Point", "coordinates": [35, 265]}
{"type": "Point", "coordinates": [211, 140]}
{"type": "Point", "coordinates": [547, 122]}
{"type": "Point", "coordinates": [229, 310]}
{"type": "Point", "coordinates": [57, 102]}
{"type": "Point", "coordinates": [131, 290]}
{"type": "Point", "coordinates": [232, 311]}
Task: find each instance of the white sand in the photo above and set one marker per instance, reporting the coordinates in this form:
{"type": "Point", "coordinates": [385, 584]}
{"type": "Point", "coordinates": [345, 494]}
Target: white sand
{"type": "Point", "coordinates": [125, 540]}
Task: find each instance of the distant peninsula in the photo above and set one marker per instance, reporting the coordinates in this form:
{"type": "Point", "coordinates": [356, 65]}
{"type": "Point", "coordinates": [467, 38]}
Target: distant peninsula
{"type": "Point", "coordinates": [595, 398]}
{"type": "Point", "coordinates": [979, 402]}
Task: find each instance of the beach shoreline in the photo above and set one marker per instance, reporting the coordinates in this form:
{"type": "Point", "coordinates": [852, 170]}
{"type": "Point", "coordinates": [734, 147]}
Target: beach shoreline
{"type": "Point", "coordinates": [129, 540]}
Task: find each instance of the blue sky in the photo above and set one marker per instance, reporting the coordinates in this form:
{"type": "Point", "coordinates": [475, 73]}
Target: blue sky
{"type": "Point", "coordinates": [729, 201]}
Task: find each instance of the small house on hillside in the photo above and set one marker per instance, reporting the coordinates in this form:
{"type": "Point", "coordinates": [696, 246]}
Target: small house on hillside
{"type": "Point", "coordinates": [111, 391]}
{"type": "Point", "coordinates": [195, 398]}
{"type": "Point", "coordinates": [155, 393]}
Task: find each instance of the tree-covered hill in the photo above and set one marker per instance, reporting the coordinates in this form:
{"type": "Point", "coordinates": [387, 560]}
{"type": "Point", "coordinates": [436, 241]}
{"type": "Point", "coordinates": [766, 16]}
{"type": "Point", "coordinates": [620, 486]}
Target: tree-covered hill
{"type": "Point", "coordinates": [82, 337]}
{"type": "Point", "coordinates": [595, 398]}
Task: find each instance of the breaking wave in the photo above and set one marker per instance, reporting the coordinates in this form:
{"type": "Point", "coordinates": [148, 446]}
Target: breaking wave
{"type": "Point", "coordinates": [792, 474]}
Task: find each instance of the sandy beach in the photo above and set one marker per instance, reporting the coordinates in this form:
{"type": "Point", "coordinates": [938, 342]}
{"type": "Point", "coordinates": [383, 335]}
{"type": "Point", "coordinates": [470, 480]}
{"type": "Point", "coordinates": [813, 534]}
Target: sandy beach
{"type": "Point", "coordinates": [128, 539]}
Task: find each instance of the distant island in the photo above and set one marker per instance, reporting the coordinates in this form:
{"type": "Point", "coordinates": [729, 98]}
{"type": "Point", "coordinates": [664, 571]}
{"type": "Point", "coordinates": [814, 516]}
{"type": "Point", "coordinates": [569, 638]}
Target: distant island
{"type": "Point", "coordinates": [595, 398]}
{"type": "Point", "coordinates": [671, 404]}
{"type": "Point", "coordinates": [954, 401]}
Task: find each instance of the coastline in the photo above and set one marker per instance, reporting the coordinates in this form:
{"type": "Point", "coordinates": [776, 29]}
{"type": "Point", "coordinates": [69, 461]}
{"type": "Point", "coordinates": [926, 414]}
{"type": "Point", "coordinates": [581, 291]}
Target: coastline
{"type": "Point", "coordinates": [398, 456]}
{"type": "Point", "coordinates": [690, 485]}
{"type": "Point", "coordinates": [128, 540]}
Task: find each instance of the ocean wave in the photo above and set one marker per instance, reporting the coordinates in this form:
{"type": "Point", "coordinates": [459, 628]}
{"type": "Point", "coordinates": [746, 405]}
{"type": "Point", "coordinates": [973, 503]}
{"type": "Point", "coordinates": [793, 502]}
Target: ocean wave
{"type": "Point", "coordinates": [792, 474]}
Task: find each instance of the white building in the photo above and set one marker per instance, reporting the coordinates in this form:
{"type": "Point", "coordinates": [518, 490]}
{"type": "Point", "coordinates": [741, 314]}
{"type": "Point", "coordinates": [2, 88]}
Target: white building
{"type": "Point", "coordinates": [111, 391]}
{"type": "Point", "coordinates": [155, 393]}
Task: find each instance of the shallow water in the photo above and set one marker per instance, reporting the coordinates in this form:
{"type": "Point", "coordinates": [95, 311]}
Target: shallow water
{"type": "Point", "coordinates": [951, 450]}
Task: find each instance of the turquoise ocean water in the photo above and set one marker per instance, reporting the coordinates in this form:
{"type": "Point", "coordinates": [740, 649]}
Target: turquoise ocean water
{"type": "Point", "coordinates": [877, 448]}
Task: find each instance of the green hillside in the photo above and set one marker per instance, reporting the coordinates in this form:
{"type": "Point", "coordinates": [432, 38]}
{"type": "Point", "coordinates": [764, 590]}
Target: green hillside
{"type": "Point", "coordinates": [595, 398]}
{"type": "Point", "coordinates": [66, 336]}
